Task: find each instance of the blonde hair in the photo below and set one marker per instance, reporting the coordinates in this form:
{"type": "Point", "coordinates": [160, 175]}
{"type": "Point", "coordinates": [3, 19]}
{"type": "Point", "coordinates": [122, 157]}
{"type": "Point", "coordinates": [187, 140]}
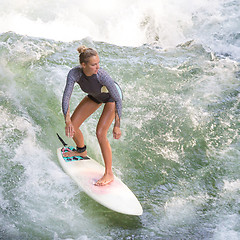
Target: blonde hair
{"type": "Point", "coordinates": [85, 53]}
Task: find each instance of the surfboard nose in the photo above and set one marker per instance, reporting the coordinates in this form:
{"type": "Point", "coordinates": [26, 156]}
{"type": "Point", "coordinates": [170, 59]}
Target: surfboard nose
{"type": "Point", "coordinates": [115, 196]}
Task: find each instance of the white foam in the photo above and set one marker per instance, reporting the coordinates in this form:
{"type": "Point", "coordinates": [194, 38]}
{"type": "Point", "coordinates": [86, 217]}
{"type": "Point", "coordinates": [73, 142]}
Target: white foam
{"type": "Point", "coordinates": [232, 186]}
{"type": "Point", "coordinates": [43, 191]}
{"type": "Point", "coordinates": [11, 122]}
{"type": "Point", "coordinates": [181, 211]}
{"type": "Point", "coordinates": [227, 228]}
{"type": "Point", "coordinates": [125, 22]}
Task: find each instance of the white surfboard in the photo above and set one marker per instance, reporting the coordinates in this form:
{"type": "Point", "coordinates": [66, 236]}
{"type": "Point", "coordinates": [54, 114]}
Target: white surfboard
{"type": "Point", "coordinates": [115, 196]}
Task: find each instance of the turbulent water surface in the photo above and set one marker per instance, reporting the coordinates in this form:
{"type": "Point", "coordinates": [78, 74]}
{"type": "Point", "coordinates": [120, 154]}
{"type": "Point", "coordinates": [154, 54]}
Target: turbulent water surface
{"type": "Point", "coordinates": [178, 65]}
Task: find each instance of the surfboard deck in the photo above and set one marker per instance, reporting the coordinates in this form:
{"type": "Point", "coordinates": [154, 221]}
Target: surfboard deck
{"type": "Point", "coordinates": [86, 172]}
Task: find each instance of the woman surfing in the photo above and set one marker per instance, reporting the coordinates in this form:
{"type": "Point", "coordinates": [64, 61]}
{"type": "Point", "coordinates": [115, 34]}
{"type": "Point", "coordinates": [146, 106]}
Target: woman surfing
{"type": "Point", "coordinates": [101, 89]}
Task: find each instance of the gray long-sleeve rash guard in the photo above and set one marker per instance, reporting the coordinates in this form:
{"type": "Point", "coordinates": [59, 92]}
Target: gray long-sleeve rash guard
{"type": "Point", "coordinates": [100, 86]}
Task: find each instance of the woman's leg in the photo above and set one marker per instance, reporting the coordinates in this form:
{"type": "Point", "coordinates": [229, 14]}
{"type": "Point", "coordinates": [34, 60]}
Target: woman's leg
{"type": "Point", "coordinates": [84, 109]}
{"type": "Point", "coordinates": [104, 123]}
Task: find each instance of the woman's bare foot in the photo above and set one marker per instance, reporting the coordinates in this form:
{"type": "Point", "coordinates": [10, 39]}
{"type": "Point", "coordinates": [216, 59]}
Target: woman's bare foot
{"type": "Point", "coordinates": [74, 153]}
{"type": "Point", "coordinates": [106, 179]}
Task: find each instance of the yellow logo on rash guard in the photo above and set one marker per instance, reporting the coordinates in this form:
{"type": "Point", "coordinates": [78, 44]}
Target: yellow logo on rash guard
{"type": "Point", "coordinates": [104, 89]}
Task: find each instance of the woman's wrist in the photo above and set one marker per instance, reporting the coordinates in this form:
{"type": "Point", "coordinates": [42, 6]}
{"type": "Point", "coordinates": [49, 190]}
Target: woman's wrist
{"type": "Point", "coordinates": [117, 122]}
{"type": "Point", "coordinates": [67, 120]}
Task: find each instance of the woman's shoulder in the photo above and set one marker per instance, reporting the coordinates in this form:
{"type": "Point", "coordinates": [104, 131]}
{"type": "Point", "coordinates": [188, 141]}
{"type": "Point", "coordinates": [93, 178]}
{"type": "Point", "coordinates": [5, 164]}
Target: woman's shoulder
{"type": "Point", "coordinates": [77, 69]}
{"type": "Point", "coordinates": [102, 74]}
{"type": "Point", "coordinates": [75, 72]}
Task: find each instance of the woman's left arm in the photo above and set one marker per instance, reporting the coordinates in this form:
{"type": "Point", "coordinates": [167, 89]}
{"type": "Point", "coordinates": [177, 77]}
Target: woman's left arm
{"type": "Point", "coordinates": [116, 129]}
{"type": "Point", "coordinates": [107, 81]}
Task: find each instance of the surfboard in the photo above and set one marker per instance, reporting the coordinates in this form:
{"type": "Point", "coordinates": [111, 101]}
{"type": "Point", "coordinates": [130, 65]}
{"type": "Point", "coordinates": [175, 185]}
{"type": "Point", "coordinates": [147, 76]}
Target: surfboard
{"type": "Point", "coordinates": [86, 171]}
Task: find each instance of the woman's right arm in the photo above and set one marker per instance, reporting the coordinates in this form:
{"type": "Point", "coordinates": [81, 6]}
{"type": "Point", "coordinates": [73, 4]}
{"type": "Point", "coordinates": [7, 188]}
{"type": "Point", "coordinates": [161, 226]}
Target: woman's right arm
{"type": "Point", "coordinates": [69, 129]}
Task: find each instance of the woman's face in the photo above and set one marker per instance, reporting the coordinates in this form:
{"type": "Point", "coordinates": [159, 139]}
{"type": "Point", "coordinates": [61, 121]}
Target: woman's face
{"type": "Point", "coordinates": [92, 66]}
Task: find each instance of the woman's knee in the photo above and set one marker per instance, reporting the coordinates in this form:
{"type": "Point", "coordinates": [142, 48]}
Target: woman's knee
{"type": "Point", "coordinates": [76, 126]}
{"type": "Point", "coordinates": [101, 134]}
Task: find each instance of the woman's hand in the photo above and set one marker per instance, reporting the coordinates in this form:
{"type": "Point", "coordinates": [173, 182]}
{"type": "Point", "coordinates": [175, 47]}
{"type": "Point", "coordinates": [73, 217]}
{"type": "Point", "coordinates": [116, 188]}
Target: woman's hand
{"type": "Point", "coordinates": [69, 129]}
{"type": "Point", "coordinates": [116, 132]}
